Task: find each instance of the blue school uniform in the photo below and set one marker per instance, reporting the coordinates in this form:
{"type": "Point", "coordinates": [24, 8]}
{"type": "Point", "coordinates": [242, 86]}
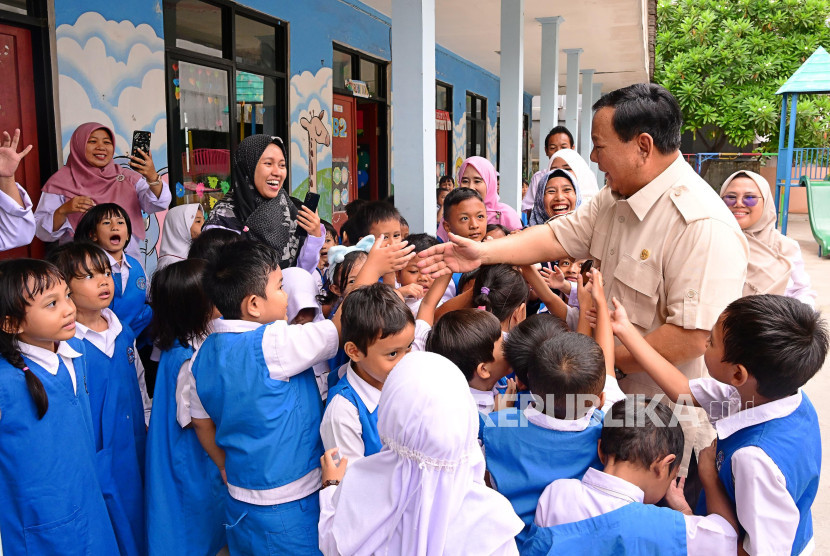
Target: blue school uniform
{"type": "Point", "coordinates": [368, 420]}
{"type": "Point", "coordinates": [130, 305]}
{"type": "Point", "coordinates": [794, 445]}
{"type": "Point", "coordinates": [635, 529]}
{"type": "Point", "coordinates": [523, 458]}
{"type": "Point", "coordinates": [185, 493]}
{"type": "Point", "coordinates": [270, 432]}
{"type": "Point", "coordinates": [49, 493]}
{"type": "Point", "coordinates": [120, 437]}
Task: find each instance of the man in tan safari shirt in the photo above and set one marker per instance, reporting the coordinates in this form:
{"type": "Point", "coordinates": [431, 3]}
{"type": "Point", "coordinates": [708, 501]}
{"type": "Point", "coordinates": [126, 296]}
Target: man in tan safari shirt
{"type": "Point", "coordinates": [668, 248]}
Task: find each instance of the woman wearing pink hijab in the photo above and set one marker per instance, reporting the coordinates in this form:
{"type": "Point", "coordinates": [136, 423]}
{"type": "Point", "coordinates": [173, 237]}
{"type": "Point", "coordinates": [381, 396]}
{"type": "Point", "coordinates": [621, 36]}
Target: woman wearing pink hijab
{"type": "Point", "coordinates": [90, 177]}
{"type": "Point", "coordinates": [479, 174]}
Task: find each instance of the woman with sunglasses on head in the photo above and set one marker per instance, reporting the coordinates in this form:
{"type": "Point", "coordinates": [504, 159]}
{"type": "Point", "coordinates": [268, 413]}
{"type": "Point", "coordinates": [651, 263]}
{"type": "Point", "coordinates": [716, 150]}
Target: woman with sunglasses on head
{"type": "Point", "coordinates": [775, 262]}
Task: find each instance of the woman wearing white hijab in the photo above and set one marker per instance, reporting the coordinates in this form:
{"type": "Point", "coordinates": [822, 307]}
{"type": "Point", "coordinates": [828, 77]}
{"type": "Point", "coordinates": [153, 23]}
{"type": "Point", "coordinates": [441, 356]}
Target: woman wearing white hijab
{"type": "Point", "coordinates": [775, 262]}
{"type": "Point", "coordinates": [181, 226]}
{"type": "Point", "coordinates": [566, 159]}
{"type": "Point", "coordinates": [424, 492]}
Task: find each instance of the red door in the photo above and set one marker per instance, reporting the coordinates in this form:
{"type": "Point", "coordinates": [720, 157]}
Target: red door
{"type": "Point", "coordinates": [17, 110]}
{"type": "Point", "coordinates": [443, 126]}
{"type": "Point", "coordinates": [343, 153]}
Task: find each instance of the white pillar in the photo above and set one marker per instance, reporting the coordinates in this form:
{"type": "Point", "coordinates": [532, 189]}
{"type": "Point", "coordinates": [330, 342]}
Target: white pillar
{"type": "Point", "coordinates": [597, 93]}
{"type": "Point", "coordinates": [572, 92]}
{"type": "Point", "coordinates": [413, 106]}
{"type": "Point", "coordinates": [549, 101]}
{"type": "Point", "coordinates": [511, 97]}
{"type": "Point", "coordinates": [586, 114]}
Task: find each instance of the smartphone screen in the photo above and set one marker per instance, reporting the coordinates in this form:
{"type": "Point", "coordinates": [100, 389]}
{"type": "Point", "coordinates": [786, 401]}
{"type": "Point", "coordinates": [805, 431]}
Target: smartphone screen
{"type": "Point", "coordinates": [585, 270]}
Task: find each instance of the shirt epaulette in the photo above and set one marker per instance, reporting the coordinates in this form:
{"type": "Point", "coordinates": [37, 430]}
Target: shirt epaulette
{"type": "Point", "coordinates": [690, 205]}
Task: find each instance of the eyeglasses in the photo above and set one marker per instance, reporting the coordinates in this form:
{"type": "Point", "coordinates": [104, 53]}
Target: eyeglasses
{"type": "Point", "coordinates": [748, 200]}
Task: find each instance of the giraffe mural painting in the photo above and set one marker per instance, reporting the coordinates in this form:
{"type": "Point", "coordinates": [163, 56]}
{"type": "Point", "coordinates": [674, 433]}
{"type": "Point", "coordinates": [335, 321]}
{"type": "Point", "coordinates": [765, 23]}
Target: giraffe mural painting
{"type": "Point", "coordinates": [318, 134]}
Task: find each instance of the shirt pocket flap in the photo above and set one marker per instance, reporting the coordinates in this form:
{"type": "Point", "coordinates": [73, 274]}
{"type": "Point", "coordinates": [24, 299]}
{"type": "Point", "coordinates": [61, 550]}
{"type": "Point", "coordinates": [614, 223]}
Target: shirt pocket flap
{"type": "Point", "coordinates": [638, 275]}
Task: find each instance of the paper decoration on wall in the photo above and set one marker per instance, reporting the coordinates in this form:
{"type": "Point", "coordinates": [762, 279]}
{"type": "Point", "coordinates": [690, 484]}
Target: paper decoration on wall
{"type": "Point", "coordinates": [225, 186]}
{"type": "Point", "coordinates": [213, 181]}
{"type": "Point", "coordinates": [212, 202]}
{"type": "Point", "coordinates": [200, 189]}
{"type": "Point", "coordinates": [176, 82]}
{"type": "Point", "coordinates": [175, 67]}
{"type": "Point", "coordinates": [179, 189]}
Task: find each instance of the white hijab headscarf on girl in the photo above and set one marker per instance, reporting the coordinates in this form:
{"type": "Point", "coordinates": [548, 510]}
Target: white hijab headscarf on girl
{"type": "Point", "coordinates": [424, 492]}
{"type": "Point", "coordinates": [175, 235]}
{"type": "Point", "coordinates": [585, 177]}
{"type": "Point", "coordinates": [302, 293]}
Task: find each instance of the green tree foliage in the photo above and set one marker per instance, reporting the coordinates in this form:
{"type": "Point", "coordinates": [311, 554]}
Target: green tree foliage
{"type": "Point", "coordinates": [724, 60]}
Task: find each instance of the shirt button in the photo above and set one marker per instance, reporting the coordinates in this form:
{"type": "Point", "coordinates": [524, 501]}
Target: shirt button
{"type": "Point", "coordinates": [621, 218]}
{"type": "Point", "coordinates": [691, 293]}
{"type": "Point", "coordinates": [677, 192]}
{"type": "Point", "coordinates": [612, 251]}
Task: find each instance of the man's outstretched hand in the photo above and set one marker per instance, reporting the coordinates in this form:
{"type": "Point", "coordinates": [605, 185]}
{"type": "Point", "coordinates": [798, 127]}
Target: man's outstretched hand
{"type": "Point", "coordinates": [457, 255]}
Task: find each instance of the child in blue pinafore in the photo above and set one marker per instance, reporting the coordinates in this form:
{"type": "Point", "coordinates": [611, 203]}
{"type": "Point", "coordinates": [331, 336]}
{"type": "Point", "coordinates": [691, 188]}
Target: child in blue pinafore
{"type": "Point", "coordinates": [49, 492]}
{"type": "Point", "coordinates": [571, 379]}
{"type": "Point", "coordinates": [761, 351]}
{"type": "Point", "coordinates": [185, 493]}
{"type": "Point", "coordinates": [257, 408]}
{"type": "Point", "coordinates": [109, 226]}
{"type": "Point", "coordinates": [378, 330]}
{"type": "Point", "coordinates": [611, 512]}
{"type": "Point", "coordinates": [114, 395]}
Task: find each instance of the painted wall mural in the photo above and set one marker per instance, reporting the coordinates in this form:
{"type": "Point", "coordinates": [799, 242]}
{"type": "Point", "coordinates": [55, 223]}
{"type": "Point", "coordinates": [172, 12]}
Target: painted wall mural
{"type": "Point", "coordinates": [459, 143]}
{"type": "Point", "coordinates": [112, 72]}
{"type": "Point", "coordinates": [310, 100]}
{"type": "Point", "coordinates": [492, 139]}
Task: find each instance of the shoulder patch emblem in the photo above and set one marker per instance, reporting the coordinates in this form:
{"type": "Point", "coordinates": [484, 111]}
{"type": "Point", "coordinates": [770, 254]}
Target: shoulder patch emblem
{"type": "Point", "coordinates": [141, 283]}
{"type": "Point", "coordinates": [131, 355]}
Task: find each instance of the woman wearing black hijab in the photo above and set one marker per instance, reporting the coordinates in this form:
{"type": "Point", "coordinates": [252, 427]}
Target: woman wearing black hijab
{"type": "Point", "coordinates": [258, 205]}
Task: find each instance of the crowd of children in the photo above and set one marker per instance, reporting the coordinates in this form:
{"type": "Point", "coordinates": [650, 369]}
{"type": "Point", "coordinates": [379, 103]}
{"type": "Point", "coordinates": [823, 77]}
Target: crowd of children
{"type": "Point", "coordinates": [365, 407]}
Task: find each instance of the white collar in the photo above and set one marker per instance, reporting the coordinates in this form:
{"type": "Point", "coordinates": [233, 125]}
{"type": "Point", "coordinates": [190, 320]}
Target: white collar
{"type": "Point", "coordinates": [115, 264]}
{"type": "Point", "coordinates": [46, 358]}
{"type": "Point", "coordinates": [104, 341]}
{"type": "Point", "coordinates": [757, 415]}
{"type": "Point", "coordinates": [612, 486]}
{"type": "Point", "coordinates": [233, 325]}
{"type": "Point", "coordinates": [551, 423]}
{"type": "Point", "coordinates": [485, 399]}
{"type": "Point", "coordinates": [369, 395]}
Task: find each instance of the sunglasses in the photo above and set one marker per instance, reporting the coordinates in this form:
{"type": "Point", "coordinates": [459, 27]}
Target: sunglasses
{"type": "Point", "coordinates": [748, 200]}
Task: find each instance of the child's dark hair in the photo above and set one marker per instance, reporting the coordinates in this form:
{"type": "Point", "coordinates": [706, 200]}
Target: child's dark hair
{"type": "Point", "coordinates": [422, 242]}
{"type": "Point", "coordinates": [239, 269]}
{"type": "Point", "coordinates": [369, 214]}
{"type": "Point", "coordinates": [348, 233]}
{"type": "Point", "coordinates": [20, 281]}
{"type": "Point", "coordinates": [557, 130]}
{"type": "Point", "coordinates": [444, 179]}
{"type": "Point", "coordinates": [493, 227]}
{"type": "Point", "coordinates": [340, 277]}
{"type": "Point", "coordinates": [372, 313]}
{"type": "Point", "coordinates": [781, 341]}
{"type": "Point", "coordinates": [459, 195]}
{"type": "Point", "coordinates": [641, 432]}
{"type": "Point", "coordinates": [354, 206]}
{"type": "Point", "coordinates": [76, 260]}
{"type": "Point", "coordinates": [524, 340]}
{"type": "Point", "coordinates": [86, 228]}
{"type": "Point", "coordinates": [330, 230]}
{"type": "Point", "coordinates": [465, 279]}
{"type": "Point", "coordinates": [505, 290]}
{"type": "Point", "coordinates": [568, 364]}
{"type": "Point", "coordinates": [466, 337]}
{"type": "Point", "coordinates": [181, 309]}
{"type": "Point", "coordinates": [209, 243]}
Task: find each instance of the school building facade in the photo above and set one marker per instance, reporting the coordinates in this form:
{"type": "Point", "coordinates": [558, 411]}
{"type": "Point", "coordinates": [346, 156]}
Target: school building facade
{"type": "Point", "coordinates": [201, 75]}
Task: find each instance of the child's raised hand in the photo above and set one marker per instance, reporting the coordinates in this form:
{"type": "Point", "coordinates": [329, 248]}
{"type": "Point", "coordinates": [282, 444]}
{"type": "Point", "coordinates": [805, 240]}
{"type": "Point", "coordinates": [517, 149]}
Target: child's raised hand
{"type": "Point", "coordinates": [555, 279]}
{"type": "Point", "coordinates": [385, 257]}
{"type": "Point", "coordinates": [706, 465]}
{"type": "Point", "coordinates": [675, 498]}
{"type": "Point", "coordinates": [508, 399]}
{"type": "Point", "coordinates": [597, 286]}
{"type": "Point", "coordinates": [412, 291]}
{"type": "Point", "coordinates": [583, 293]}
{"type": "Point", "coordinates": [333, 471]}
{"type": "Point", "coordinates": [619, 319]}
{"type": "Point", "coordinates": [9, 157]}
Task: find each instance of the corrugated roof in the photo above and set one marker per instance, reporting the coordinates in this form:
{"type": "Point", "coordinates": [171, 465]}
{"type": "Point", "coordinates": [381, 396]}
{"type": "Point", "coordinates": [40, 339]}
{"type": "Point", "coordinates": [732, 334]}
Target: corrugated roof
{"type": "Point", "coordinates": [812, 77]}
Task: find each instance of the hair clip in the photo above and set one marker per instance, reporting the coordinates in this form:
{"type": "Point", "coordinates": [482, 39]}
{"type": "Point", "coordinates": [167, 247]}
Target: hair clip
{"type": "Point", "coordinates": [25, 369]}
{"type": "Point", "coordinates": [482, 308]}
{"type": "Point", "coordinates": [485, 290]}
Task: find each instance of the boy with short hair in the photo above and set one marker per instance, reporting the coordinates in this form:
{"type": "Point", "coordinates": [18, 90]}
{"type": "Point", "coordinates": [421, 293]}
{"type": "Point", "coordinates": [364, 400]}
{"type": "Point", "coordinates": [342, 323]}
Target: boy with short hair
{"type": "Point", "coordinates": [378, 330]}
{"type": "Point", "coordinates": [465, 214]}
{"type": "Point", "coordinates": [571, 378]}
{"type": "Point", "coordinates": [256, 407]}
{"type": "Point", "coordinates": [377, 218]}
{"type": "Point", "coordinates": [612, 511]}
{"type": "Point", "coordinates": [761, 351]}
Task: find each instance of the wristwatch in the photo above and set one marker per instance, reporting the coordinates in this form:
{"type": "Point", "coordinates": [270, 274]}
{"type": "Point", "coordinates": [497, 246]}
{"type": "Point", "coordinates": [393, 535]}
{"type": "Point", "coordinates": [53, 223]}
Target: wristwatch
{"type": "Point", "coordinates": [330, 482]}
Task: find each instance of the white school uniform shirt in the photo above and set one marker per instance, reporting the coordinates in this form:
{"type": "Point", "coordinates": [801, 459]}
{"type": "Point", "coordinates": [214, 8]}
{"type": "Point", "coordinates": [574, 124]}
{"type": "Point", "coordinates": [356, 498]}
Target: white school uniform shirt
{"type": "Point", "coordinates": [485, 399]}
{"type": "Point", "coordinates": [17, 223]}
{"type": "Point", "coordinates": [105, 341]}
{"type": "Point", "coordinates": [422, 330]}
{"type": "Point", "coordinates": [49, 360]}
{"type": "Point", "coordinates": [341, 422]}
{"type": "Point", "coordinates": [570, 500]}
{"type": "Point", "coordinates": [123, 268]}
{"type": "Point", "coordinates": [288, 351]}
{"type": "Point", "coordinates": [50, 202]}
{"type": "Point", "coordinates": [798, 286]}
{"type": "Point", "coordinates": [765, 509]}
